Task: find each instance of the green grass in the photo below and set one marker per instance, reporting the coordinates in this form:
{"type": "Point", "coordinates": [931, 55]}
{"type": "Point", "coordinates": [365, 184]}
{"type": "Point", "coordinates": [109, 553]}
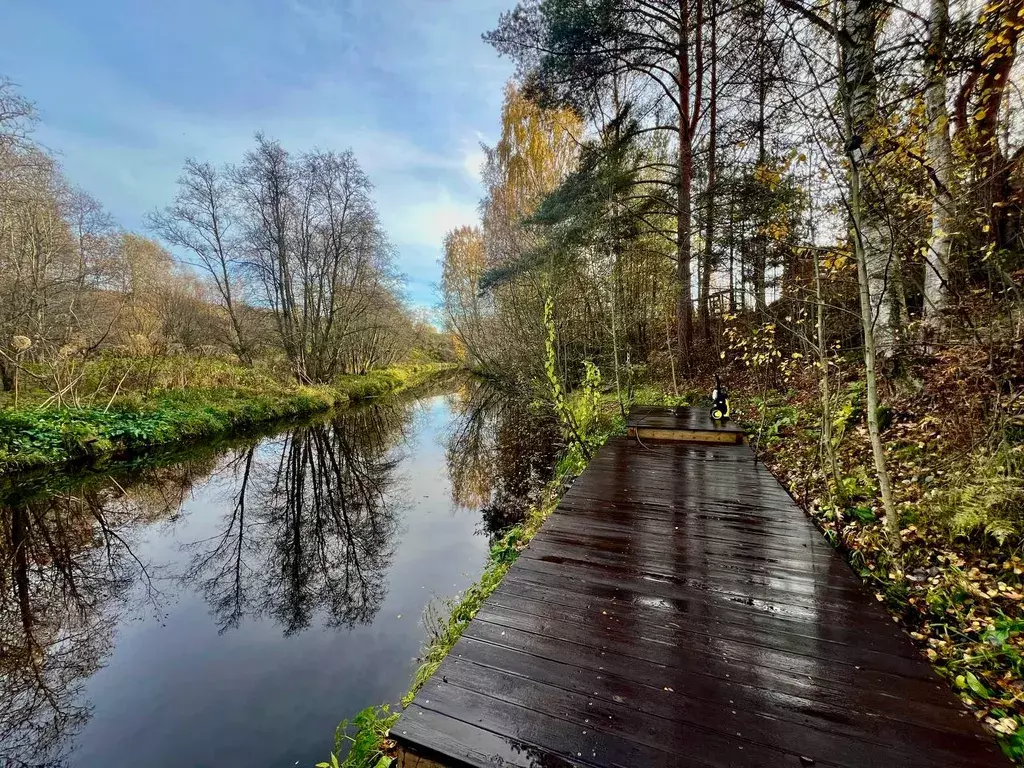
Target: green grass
{"type": "Point", "coordinates": [35, 436]}
{"type": "Point", "coordinates": [368, 744]}
{"type": "Point", "coordinates": [460, 612]}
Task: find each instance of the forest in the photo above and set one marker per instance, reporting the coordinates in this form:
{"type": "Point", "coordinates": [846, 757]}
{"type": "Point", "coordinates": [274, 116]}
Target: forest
{"type": "Point", "coordinates": [819, 202]}
{"type": "Point", "coordinates": [280, 257]}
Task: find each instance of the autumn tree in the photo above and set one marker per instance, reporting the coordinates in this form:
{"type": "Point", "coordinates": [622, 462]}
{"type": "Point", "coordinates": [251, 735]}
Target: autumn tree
{"type": "Point", "coordinates": [537, 148]}
{"type": "Point", "coordinates": [569, 51]}
{"type": "Point", "coordinates": [315, 250]}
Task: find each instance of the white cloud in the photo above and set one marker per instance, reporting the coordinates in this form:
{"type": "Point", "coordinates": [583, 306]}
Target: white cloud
{"type": "Point", "coordinates": [473, 158]}
{"type": "Point", "coordinates": [408, 90]}
{"type": "Point", "coordinates": [425, 217]}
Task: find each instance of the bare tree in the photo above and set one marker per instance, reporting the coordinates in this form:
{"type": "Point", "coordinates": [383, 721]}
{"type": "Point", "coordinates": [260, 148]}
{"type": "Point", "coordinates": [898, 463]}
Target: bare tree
{"type": "Point", "coordinates": [200, 221]}
{"type": "Point", "coordinates": [315, 248]}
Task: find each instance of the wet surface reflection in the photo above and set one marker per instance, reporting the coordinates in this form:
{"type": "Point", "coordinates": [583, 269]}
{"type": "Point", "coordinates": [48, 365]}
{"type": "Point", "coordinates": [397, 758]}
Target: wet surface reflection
{"type": "Point", "coordinates": [501, 450]}
{"type": "Point", "coordinates": [232, 602]}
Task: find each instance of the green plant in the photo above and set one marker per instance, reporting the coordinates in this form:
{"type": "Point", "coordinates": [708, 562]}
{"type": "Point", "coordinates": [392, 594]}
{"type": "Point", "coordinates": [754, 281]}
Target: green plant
{"type": "Point", "coordinates": [445, 632]}
{"type": "Point", "coordinates": [848, 412]}
{"type": "Point", "coordinates": [583, 410]}
{"type": "Point", "coordinates": [580, 413]}
{"type": "Point", "coordinates": [987, 497]}
{"type": "Point", "coordinates": [368, 745]}
{"type": "Point", "coordinates": [36, 435]}
{"type": "Point", "coordinates": [782, 418]}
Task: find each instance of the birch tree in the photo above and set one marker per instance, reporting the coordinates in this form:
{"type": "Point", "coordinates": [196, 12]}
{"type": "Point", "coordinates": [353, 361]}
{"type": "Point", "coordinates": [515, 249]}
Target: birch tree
{"type": "Point", "coordinates": [200, 222]}
{"type": "Point", "coordinates": [940, 158]}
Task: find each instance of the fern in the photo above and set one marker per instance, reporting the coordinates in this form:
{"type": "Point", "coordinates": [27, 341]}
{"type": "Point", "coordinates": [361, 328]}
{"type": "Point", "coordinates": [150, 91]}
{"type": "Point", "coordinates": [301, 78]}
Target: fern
{"type": "Point", "coordinates": [988, 497]}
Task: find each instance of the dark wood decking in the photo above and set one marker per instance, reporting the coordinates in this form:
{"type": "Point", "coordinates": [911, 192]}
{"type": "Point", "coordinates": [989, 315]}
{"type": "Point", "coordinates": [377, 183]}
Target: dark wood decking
{"type": "Point", "coordinates": [693, 425]}
{"type": "Point", "coordinates": [679, 609]}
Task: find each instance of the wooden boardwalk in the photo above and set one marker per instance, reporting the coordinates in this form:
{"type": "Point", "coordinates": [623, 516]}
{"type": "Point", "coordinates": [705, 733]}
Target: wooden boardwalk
{"type": "Point", "coordinates": [679, 609]}
{"type": "Point", "coordinates": [693, 425]}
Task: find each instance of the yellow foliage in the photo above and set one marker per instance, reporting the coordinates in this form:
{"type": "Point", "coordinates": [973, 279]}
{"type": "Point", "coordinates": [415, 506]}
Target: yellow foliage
{"type": "Point", "coordinates": [537, 149]}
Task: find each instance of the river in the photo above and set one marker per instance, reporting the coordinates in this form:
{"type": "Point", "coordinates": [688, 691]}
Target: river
{"type": "Point", "coordinates": [228, 604]}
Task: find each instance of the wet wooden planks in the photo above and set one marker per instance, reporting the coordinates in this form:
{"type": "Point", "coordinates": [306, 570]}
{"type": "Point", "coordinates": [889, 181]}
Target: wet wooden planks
{"type": "Point", "coordinates": [679, 609]}
{"type": "Point", "coordinates": [683, 424]}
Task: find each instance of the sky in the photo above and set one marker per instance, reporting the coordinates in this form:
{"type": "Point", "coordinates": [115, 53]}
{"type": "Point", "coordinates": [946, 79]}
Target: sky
{"type": "Point", "coordinates": [127, 89]}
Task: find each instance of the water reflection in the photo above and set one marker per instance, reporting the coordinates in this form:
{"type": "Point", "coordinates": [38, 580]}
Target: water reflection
{"type": "Point", "coordinates": [311, 527]}
{"type": "Point", "coordinates": [501, 450]}
{"type": "Point", "coordinates": [68, 571]}
{"type": "Point", "coordinates": [309, 533]}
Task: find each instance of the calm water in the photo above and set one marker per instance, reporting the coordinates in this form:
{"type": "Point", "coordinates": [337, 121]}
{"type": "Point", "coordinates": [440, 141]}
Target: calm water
{"type": "Point", "coordinates": [230, 605]}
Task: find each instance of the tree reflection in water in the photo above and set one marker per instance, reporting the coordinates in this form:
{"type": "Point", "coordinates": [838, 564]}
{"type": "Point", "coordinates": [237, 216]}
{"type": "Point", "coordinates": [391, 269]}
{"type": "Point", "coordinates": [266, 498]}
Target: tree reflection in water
{"type": "Point", "coordinates": [501, 450]}
{"type": "Point", "coordinates": [310, 531]}
{"type": "Point", "coordinates": [68, 570]}
{"type": "Point", "coordinates": [312, 526]}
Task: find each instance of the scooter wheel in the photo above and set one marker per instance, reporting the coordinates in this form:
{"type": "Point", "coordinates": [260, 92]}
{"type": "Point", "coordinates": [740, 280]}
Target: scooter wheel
{"type": "Point", "coordinates": [717, 414]}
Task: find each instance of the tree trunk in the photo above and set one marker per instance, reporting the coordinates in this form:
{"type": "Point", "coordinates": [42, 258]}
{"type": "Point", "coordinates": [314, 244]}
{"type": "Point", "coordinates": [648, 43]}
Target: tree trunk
{"type": "Point", "coordinates": [684, 297]}
{"type": "Point", "coordinates": [940, 159]}
{"type": "Point", "coordinates": [822, 351]}
{"type": "Point", "coordinates": [732, 260]}
{"type": "Point", "coordinates": [760, 265]}
{"type": "Point", "coordinates": [687, 120]}
{"type": "Point", "coordinates": [684, 294]}
{"type": "Point", "coordinates": [858, 97]}
{"type": "Point", "coordinates": [978, 106]}
{"type": "Point", "coordinates": [6, 377]}
{"type": "Point", "coordinates": [709, 214]}
{"type": "Point", "coordinates": [867, 310]}
{"type": "Point", "coordinates": [861, 21]}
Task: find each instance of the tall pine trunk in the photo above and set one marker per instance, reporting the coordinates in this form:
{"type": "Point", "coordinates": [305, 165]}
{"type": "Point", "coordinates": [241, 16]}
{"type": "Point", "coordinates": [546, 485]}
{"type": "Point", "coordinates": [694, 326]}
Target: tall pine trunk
{"type": "Point", "coordinates": [709, 213]}
{"type": "Point", "coordinates": [684, 296]}
{"type": "Point", "coordinates": [684, 275]}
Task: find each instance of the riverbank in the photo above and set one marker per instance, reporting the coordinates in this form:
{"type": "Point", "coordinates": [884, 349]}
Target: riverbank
{"type": "Point", "coordinates": [33, 436]}
{"type": "Point", "coordinates": [956, 585]}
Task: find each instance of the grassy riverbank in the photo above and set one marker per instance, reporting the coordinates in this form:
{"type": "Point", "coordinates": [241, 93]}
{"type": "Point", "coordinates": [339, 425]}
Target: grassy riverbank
{"type": "Point", "coordinates": [33, 435]}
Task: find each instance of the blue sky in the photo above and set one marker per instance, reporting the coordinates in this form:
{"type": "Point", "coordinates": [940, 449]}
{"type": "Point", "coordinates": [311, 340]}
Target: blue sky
{"type": "Point", "coordinates": [127, 89]}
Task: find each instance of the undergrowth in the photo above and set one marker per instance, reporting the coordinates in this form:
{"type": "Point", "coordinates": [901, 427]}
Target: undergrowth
{"type": "Point", "coordinates": [368, 743]}
{"type": "Point", "coordinates": [36, 436]}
